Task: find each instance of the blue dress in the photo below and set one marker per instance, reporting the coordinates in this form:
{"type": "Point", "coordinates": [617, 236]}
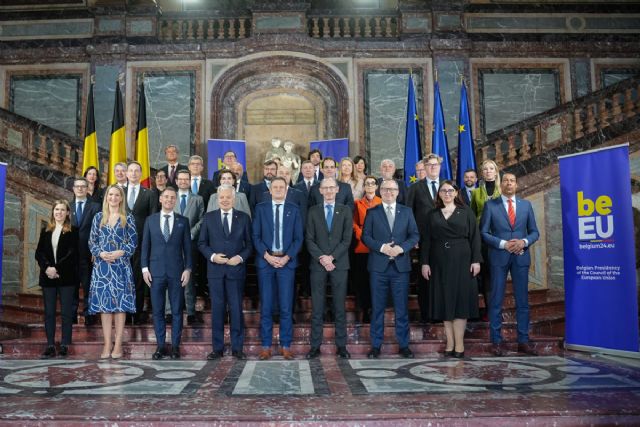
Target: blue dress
{"type": "Point", "coordinates": [112, 287]}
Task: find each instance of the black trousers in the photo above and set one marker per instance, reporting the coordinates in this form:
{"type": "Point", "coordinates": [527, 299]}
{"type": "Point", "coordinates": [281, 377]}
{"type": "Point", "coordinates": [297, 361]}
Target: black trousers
{"type": "Point", "coordinates": [66, 310]}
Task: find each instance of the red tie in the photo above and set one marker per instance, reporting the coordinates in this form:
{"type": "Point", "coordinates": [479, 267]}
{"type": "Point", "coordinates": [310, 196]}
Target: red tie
{"type": "Point", "coordinates": [512, 213]}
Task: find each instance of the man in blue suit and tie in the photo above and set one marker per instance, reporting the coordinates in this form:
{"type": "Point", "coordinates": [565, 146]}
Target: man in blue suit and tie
{"type": "Point", "coordinates": [390, 231]}
{"type": "Point", "coordinates": [166, 264]}
{"type": "Point", "coordinates": [508, 226]}
{"type": "Point", "coordinates": [277, 236]}
{"type": "Point", "coordinates": [225, 242]}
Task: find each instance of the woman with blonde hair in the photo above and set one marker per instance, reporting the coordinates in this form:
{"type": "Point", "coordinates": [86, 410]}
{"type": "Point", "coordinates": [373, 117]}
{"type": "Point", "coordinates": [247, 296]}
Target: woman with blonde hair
{"type": "Point", "coordinates": [489, 188]}
{"type": "Point", "coordinates": [57, 256]}
{"type": "Point", "coordinates": [347, 174]}
{"type": "Point", "coordinates": [112, 242]}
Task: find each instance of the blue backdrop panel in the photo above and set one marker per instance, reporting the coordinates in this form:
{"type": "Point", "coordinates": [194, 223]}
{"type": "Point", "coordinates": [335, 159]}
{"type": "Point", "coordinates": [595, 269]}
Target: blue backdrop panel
{"type": "Point", "coordinates": [216, 149]}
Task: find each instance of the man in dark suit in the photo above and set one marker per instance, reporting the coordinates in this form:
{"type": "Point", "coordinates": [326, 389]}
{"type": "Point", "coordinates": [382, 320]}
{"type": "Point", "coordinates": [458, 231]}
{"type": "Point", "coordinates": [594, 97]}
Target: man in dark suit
{"type": "Point", "coordinates": [82, 213]}
{"type": "Point", "coordinates": [294, 196]}
{"type": "Point", "coordinates": [389, 232]}
{"type": "Point", "coordinates": [470, 179]}
{"type": "Point", "coordinates": [199, 184]}
{"type": "Point", "coordinates": [344, 195]}
{"type": "Point", "coordinates": [140, 202]}
{"type": "Point", "coordinates": [269, 171]}
{"type": "Point", "coordinates": [420, 198]}
{"type": "Point", "coordinates": [387, 171]}
{"type": "Point", "coordinates": [225, 242]}
{"type": "Point", "coordinates": [306, 179]}
{"type": "Point", "coordinates": [171, 154]}
{"type": "Point", "coordinates": [277, 236]}
{"type": "Point", "coordinates": [328, 236]}
{"type": "Point", "coordinates": [242, 186]}
{"type": "Point", "coordinates": [191, 206]}
{"type": "Point", "coordinates": [315, 157]}
{"type": "Point", "coordinates": [166, 266]}
{"type": "Point", "coordinates": [508, 226]}
{"type": "Point", "coordinates": [228, 160]}
{"type": "Point", "coordinates": [160, 183]}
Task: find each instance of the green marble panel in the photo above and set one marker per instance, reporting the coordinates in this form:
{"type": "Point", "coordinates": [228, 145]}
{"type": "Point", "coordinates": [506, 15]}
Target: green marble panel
{"type": "Point", "coordinates": [385, 114]}
{"type": "Point", "coordinates": [12, 248]}
{"type": "Point", "coordinates": [448, 21]}
{"type": "Point", "coordinates": [104, 96]}
{"type": "Point", "coordinates": [52, 100]}
{"type": "Point", "coordinates": [53, 29]}
{"type": "Point", "coordinates": [106, 25]}
{"type": "Point", "coordinates": [582, 77]}
{"type": "Point", "coordinates": [515, 23]}
{"type": "Point", "coordinates": [612, 23]}
{"type": "Point", "coordinates": [14, 138]}
{"type": "Point", "coordinates": [277, 22]}
{"type": "Point", "coordinates": [449, 72]}
{"type": "Point", "coordinates": [418, 23]}
{"type": "Point", "coordinates": [141, 26]}
{"type": "Point", "coordinates": [609, 78]}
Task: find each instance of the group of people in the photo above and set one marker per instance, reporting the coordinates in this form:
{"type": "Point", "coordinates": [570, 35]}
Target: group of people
{"type": "Point", "coordinates": [189, 233]}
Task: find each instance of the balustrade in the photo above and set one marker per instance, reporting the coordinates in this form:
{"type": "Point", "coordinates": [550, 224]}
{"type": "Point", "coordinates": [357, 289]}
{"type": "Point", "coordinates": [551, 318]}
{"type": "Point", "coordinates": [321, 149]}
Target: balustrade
{"type": "Point", "coordinates": [202, 28]}
{"type": "Point", "coordinates": [353, 26]}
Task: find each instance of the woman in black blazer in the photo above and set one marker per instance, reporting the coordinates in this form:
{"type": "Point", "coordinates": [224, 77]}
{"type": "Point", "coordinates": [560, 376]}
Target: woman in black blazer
{"type": "Point", "coordinates": [57, 256]}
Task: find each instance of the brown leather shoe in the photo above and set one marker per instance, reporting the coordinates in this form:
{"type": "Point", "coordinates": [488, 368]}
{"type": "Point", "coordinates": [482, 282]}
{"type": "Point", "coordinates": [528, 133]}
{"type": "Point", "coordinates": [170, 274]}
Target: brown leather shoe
{"type": "Point", "coordinates": [527, 348]}
{"type": "Point", "coordinates": [265, 354]}
{"type": "Point", "coordinates": [498, 349]}
{"type": "Point", "coordinates": [287, 354]}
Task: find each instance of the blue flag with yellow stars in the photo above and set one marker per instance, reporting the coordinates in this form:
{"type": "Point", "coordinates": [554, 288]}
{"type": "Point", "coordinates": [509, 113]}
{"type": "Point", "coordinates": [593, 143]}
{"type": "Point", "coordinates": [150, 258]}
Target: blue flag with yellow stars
{"type": "Point", "coordinates": [412, 149]}
{"type": "Point", "coordinates": [439, 143]}
{"type": "Point", "coordinates": [466, 150]}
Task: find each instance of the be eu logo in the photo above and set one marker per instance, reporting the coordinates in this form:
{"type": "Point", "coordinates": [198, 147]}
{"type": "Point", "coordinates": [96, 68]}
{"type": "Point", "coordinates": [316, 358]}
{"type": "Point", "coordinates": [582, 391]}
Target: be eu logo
{"type": "Point", "coordinates": [595, 221]}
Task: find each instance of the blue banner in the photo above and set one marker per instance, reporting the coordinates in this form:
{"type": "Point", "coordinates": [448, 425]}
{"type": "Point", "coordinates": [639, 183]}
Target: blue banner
{"type": "Point", "coordinates": [599, 250]}
{"type": "Point", "coordinates": [216, 149]}
{"type": "Point", "coordinates": [412, 151]}
{"type": "Point", "coordinates": [3, 186]}
{"type": "Point", "coordinates": [439, 143]}
{"type": "Point", "coordinates": [336, 148]}
{"type": "Point", "coordinates": [466, 150]}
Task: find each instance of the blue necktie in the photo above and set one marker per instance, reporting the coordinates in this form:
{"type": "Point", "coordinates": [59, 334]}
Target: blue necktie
{"type": "Point", "coordinates": [165, 230]}
{"type": "Point", "coordinates": [329, 216]}
{"type": "Point", "coordinates": [79, 212]}
{"type": "Point", "coordinates": [183, 203]}
{"type": "Point", "coordinates": [225, 225]}
{"type": "Point", "coordinates": [194, 186]}
{"type": "Point", "coordinates": [276, 238]}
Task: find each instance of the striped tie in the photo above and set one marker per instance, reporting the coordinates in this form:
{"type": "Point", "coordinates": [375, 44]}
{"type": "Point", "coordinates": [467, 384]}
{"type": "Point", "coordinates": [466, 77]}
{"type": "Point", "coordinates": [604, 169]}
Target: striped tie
{"type": "Point", "coordinates": [512, 213]}
{"type": "Point", "coordinates": [165, 229]}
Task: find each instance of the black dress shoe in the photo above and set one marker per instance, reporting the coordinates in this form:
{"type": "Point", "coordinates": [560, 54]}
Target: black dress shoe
{"type": "Point", "coordinates": [159, 354]}
{"type": "Point", "coordinates": [191, 319]}
{"type": "Point", "coordinates": [458, 354]}
{"type": "Point", "coordinates": [498, 349]}
{"type": "Point", "coordinates": [239, 354]}
{"type": "Point", "coordinates": [175, 353]}
{"type": "Point", "coordinates": [527, 348]}
{"type": "Point", "coordinates": [374, 353]}
{"type": "Point", "coordinates": [313, 353]}
{"type": "Point", "coordinates": [199, 319]}
{"type": "Point", "coordinates": [215, 355]}
{"type": "Point", "coordinates": [140, 319]}
{"type": "Point", "coordinates": [64, 351]}
{"type": "Point", "coordinates": [406, 353]}
{"type": "Point", "coordinates": [49, 353]}
{"type": "Point", "coordinates": [449, 353]}
{"type": "Point", "coordinates": [74, 320]}
{"type": "Point", "coordinates": [343, 353]}
{"type": "Point", "coordinates": [89, 320]}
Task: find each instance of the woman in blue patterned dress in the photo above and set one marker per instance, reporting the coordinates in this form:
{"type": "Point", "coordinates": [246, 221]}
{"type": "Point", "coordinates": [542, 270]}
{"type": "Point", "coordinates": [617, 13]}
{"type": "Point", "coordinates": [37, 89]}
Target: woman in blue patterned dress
{"type": "Point", "coordinates": [112, 293]}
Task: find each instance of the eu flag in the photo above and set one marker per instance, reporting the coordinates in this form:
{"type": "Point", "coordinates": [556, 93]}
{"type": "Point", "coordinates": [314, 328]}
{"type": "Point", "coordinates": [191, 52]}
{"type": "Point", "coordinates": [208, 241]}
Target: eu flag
{"type": "Point", "coordinates": [412, 151]}
{"type": "Point", "coordinates": [466, 150]}
{"type": "Point", "coordinates": [439, 143]}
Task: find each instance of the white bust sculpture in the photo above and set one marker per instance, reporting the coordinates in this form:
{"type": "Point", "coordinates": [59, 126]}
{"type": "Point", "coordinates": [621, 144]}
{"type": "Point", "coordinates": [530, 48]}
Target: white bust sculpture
{"type": "Point", "coordinates": [275, 150]}
{"type": "Point", "coordinates": [291, 160]}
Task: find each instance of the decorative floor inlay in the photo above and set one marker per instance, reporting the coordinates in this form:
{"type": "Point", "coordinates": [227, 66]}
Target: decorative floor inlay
{"type": "Point", "coordinates": [521, 374]}
{"type": "Point", "coordinates": [275, 377]}
{"type": "Point", "coordinates": [80, 377]}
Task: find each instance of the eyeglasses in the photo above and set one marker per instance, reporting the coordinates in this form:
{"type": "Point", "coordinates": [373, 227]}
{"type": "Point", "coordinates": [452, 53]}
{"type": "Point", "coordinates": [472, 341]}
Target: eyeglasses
{"type": "Point", "coordinates": [448, 191]}
{"type": "Point", "coordinates": [388, 190]}
{"type": "Point", "coordinates": [331, 188]}
{"type": "Point", "coordinates": [370, 184]}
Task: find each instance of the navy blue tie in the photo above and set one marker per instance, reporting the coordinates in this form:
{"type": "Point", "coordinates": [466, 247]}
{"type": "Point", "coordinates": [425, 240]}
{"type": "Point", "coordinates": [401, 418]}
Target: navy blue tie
{"type": "Point", "coordinates": [276, 238]}
{"type": "Point", "coordinates": [165, 229]}
{"type": "Point", "coordinates": [225, 225]}
{"type": "Point", "coordinates": [79, 212]}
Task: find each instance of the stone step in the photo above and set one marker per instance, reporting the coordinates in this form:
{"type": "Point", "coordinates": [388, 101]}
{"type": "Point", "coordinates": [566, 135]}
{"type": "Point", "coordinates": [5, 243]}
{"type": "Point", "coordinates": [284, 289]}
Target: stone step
{"type": "Point", "coordinates": [197, 350]}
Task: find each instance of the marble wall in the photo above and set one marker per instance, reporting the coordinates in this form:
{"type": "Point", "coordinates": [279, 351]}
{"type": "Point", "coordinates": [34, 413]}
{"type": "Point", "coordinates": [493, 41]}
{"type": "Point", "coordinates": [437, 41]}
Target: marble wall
{"type": "Point", "coordinates": [510, 96]}
{"type": "Point", "coordinates": [53, 100]}
{"type": "Point", "coordinates": [450, 72]}
{"type": "Point", "coordinates": [385, 95]}
{"type": "Point", "coordinates": [11, 244]}
{"type": "Point", "coordinates": [104, 92]}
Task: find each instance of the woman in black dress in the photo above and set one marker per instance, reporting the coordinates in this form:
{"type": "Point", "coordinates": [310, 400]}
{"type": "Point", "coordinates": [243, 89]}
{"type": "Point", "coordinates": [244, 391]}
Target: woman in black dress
{"type": "Point", "coordinates": [450, 258]}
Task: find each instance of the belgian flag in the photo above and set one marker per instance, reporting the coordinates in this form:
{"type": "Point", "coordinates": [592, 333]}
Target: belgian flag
{"type": "Point", "coordinates": [142, 140]}
{"type": "Point", "coordinates": [90, 153]}
{"type": "Point", "coordinates": [118, 151]}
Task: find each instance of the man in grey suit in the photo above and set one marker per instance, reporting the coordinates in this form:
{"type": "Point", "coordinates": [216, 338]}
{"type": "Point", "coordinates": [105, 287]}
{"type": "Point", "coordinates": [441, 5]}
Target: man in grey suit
{"type": "Point", "coordinates": [328, 236]}
{"type": "Point", "coordinates": [190, 206]}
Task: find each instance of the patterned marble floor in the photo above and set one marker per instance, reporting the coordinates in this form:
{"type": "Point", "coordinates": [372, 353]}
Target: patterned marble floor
{"type": "Point", "coordinates": [585, 389]}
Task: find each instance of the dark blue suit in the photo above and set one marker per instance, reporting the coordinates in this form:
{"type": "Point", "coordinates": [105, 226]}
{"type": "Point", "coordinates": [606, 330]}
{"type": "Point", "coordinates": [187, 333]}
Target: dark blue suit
{"type": "Point", "coordinates": [387, 274]}
{"type": "Point", "coordinates": [166, 261]}
{"type": "Point", "coordinates": [255, 195]}
{"type": "Point", "coordinates": [294, 196]}
{"type": "Point", "coordinates": [89, 210]}
{"type": "Point", "coordinates": [269, 276]}
{"type": "Point", "coordinates": [226, 282]}
{"type": "Point", "coordinates": [495, 227]}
